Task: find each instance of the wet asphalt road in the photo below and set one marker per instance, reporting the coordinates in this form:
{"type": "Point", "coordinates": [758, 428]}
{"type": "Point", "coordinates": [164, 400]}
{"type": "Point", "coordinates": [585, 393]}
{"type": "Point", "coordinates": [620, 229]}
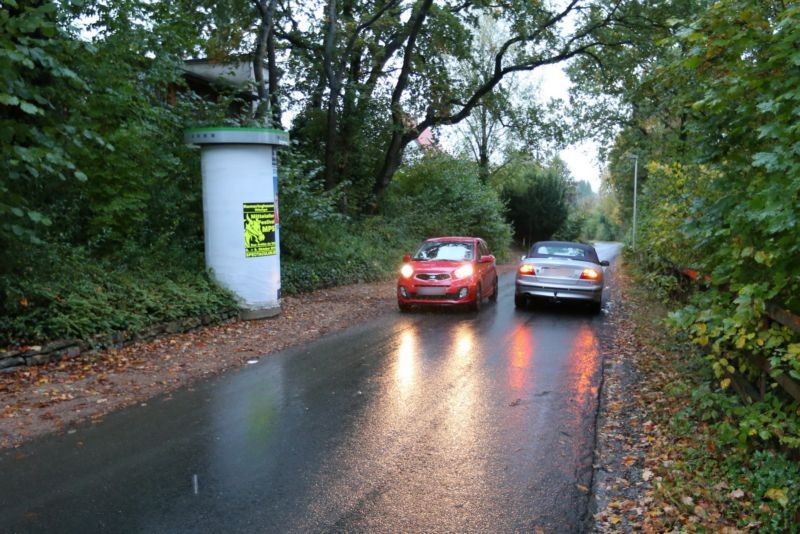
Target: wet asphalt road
{"type": "Point", "coordinates": [426, 422]}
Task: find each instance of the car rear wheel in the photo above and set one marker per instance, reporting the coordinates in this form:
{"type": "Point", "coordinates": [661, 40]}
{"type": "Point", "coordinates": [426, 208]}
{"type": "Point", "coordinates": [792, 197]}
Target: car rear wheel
{"type": "Point", "coordinates": [520, 301]}
{"type": "Point", "coordinates": [596, 307]}
{"type": "Point", "coordinates": [476, 304]}
{"type": "Point", "coordinates": [493, 296]}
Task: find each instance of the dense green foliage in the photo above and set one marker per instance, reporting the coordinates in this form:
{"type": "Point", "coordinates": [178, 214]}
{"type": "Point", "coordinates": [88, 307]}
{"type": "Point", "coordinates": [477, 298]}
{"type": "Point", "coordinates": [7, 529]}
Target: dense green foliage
{"type": "Point", "coordinates": [540, 207]}
{"type": "Point", "coordinates": [38, 93]}
{"type": "Point", "coordinates": [320, 246]}
{"type": "Point", "coordinates": [65, 293]}
{"type": "Point", "coordinates": [743, 222]}
{"type": "Point", "coordinates": [98, 189]}
{"type": "Point", "coordinates": [539, 199]}
{"type": "Point", "coordinates": [714, 122]}
{"type": "Point", "coordinates": [445, 196]}
{"type": "Point", "coordinates": [601, 224]}
{"type": "Point", "coordinates": [436, 196]}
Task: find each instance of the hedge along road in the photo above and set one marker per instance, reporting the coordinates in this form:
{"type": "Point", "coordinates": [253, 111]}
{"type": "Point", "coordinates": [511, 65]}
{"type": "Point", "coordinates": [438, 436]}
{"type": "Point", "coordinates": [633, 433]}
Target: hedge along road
{"type": "Point", "coordinates": [429, 421]}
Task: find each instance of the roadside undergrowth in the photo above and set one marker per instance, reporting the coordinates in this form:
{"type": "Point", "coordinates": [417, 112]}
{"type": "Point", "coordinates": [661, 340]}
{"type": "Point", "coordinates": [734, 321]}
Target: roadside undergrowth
{"type": "Point", "coordinates": [701, 478]}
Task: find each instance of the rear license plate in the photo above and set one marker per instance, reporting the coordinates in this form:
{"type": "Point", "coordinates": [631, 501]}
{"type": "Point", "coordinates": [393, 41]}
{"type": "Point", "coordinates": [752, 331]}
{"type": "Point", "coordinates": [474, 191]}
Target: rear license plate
{"type": "Point", "coordinates": [559, 272]}
{"type": "Point", "coordinates": [431, 291]}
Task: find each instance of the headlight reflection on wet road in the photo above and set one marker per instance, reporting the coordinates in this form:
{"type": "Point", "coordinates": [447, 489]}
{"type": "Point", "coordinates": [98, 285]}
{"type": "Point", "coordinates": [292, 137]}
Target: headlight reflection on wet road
{"type": "Point", "coordinates": [406, 370]}
{"type": "Point", "coordinates": [464, 342]}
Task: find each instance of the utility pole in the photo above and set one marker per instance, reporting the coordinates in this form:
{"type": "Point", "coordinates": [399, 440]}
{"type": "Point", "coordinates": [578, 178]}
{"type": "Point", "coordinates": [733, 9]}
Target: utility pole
{"type": "Point", "coordinates": [635, 158]}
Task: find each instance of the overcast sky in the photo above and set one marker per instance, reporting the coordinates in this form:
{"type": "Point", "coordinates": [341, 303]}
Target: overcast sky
{"type": "Point", "coordinates": [581, 159]}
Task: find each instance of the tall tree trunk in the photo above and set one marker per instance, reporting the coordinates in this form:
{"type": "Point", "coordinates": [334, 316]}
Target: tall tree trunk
{"type": "Point", "coordinates": [334, 87]}
{"type": "Point", "coordinates": [401, 135]}
{"type": "Point", "coordinates": [483, 145]}
{"type": "Point", "coordinates": [350, 123]}
{"type": "Point", "coordinates": [266, 9]}
{"type": "Point", "coordinates": [274, 75]}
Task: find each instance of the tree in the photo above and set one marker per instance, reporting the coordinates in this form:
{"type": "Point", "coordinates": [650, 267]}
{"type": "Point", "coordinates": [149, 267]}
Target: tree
{"type": "Point", "coordinates": [39, 96]}
{"type": "Point", "coordinates": [538, 36]}
{"type": "Point", "coordinates": [505, 121]}
{"type": "Point", "coordinates": [418, 201]}
{"type": "Point", "coordinates": [264, 53]}
{"type": "Point", "coordinates": [369, 77]}
{"type": "Point", "coordinates": [624, 99]}
{"type": "Point", "coordinates": [538, 200]}
{"type": "Point", "coordinates": [723, 193]}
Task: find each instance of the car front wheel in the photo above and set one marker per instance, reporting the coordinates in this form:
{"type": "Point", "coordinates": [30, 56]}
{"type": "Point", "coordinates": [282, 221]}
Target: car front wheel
{"type": "Point", "coordinates": [493, 296]}
{"type": "Point", "coordinates": [404, 308]}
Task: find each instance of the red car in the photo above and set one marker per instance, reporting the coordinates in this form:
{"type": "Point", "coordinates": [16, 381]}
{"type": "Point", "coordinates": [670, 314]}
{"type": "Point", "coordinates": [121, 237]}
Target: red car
{"type": "Point", "coordinates": [448, 271]}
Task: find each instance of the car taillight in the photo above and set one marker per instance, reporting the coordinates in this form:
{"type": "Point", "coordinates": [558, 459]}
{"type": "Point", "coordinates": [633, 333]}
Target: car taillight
{"type": "Point", "coordinates": [406, 271]}
{"type": "Point", "coordinates": [590, 274]}
{"type": "Point", "coordinates": [527, 268]}
{"type": "Point", "coordinates": [464, 271]}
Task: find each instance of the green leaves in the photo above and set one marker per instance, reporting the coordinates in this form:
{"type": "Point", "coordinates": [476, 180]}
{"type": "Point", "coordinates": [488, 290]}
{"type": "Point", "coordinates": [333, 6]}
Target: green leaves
{"type": "Point", "coordinates": [441, 195]}
{"type": "Point", "coordinates": [730, 210]}
{"type": "Point", "coordinates": [72, 295]}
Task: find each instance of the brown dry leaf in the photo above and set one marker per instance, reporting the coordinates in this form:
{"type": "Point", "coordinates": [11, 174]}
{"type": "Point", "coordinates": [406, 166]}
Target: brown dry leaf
{"type": "Point", "coordinates": [736, 494]}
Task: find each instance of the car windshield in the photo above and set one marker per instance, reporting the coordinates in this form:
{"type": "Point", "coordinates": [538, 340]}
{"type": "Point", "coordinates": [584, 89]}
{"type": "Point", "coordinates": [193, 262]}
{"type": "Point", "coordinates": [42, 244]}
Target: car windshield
{"type": "Point", "coordinates": [561, 250]}
{"type": "Point", "coordinates": [445, 251]}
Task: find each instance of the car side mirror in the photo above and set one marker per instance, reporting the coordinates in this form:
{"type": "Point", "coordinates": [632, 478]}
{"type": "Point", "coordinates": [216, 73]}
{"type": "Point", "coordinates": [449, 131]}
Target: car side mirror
{"type": "Point", "coordinates": [406, 258]}
{"type": "Point", "coordinates": [523, 257]}
{"type": "Point", "coordinates": [486, 259]}
{"type": "Point", "coordinates": [604, 263]}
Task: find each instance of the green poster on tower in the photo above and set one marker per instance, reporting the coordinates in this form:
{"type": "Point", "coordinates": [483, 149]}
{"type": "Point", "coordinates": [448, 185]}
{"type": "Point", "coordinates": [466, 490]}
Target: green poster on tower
{"type": "Point", "coordinates": [259, 229]}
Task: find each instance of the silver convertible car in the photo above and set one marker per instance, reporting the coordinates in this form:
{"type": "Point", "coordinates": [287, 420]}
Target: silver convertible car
{"type": "Point", "coordinates": [560, 271]}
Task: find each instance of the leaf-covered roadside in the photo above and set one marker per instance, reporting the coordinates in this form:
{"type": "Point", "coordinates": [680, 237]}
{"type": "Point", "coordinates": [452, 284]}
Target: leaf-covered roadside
{"type": "Point", "coordinates": [663, 462]}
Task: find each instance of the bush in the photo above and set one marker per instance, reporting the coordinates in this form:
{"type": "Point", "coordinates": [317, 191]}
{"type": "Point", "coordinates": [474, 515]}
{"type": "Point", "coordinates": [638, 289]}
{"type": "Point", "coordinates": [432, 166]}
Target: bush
{"type": "Point", "coordinates": [538, 202]}
{"type": "Point", "coordinates": [67, 294]}
{"type": "Point", "coordinates": [436, 196]}
{"type": "Point", "coordinates": [440, 195]}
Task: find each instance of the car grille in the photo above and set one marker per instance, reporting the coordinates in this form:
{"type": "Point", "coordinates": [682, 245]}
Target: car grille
{"type": "Point", "coordinates": [433, 297]}
{"type": "Point", "coordinates": [442, 276]}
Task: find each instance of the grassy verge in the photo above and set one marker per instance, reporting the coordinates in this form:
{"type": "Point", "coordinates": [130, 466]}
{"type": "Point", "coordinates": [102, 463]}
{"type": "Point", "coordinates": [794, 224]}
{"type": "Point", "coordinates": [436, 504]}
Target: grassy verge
{"type": "Point", "coordinates": [702, 477]}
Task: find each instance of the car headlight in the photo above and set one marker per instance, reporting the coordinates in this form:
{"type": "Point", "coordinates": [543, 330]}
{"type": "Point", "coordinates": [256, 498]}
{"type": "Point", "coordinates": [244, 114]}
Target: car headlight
{"type": "Point", "coordinates": [406, 270]}
{"type": "Point", "coordinates": [464, 271]}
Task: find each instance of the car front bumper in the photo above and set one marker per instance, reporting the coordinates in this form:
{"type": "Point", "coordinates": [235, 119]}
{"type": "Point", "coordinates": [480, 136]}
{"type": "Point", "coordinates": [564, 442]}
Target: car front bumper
{"type": "Point", "coordinates": [440, 294]}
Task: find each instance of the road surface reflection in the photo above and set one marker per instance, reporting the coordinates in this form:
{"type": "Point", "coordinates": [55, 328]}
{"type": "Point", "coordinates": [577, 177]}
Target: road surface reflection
{"type": "Point", "coordinates": [522, 348]}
